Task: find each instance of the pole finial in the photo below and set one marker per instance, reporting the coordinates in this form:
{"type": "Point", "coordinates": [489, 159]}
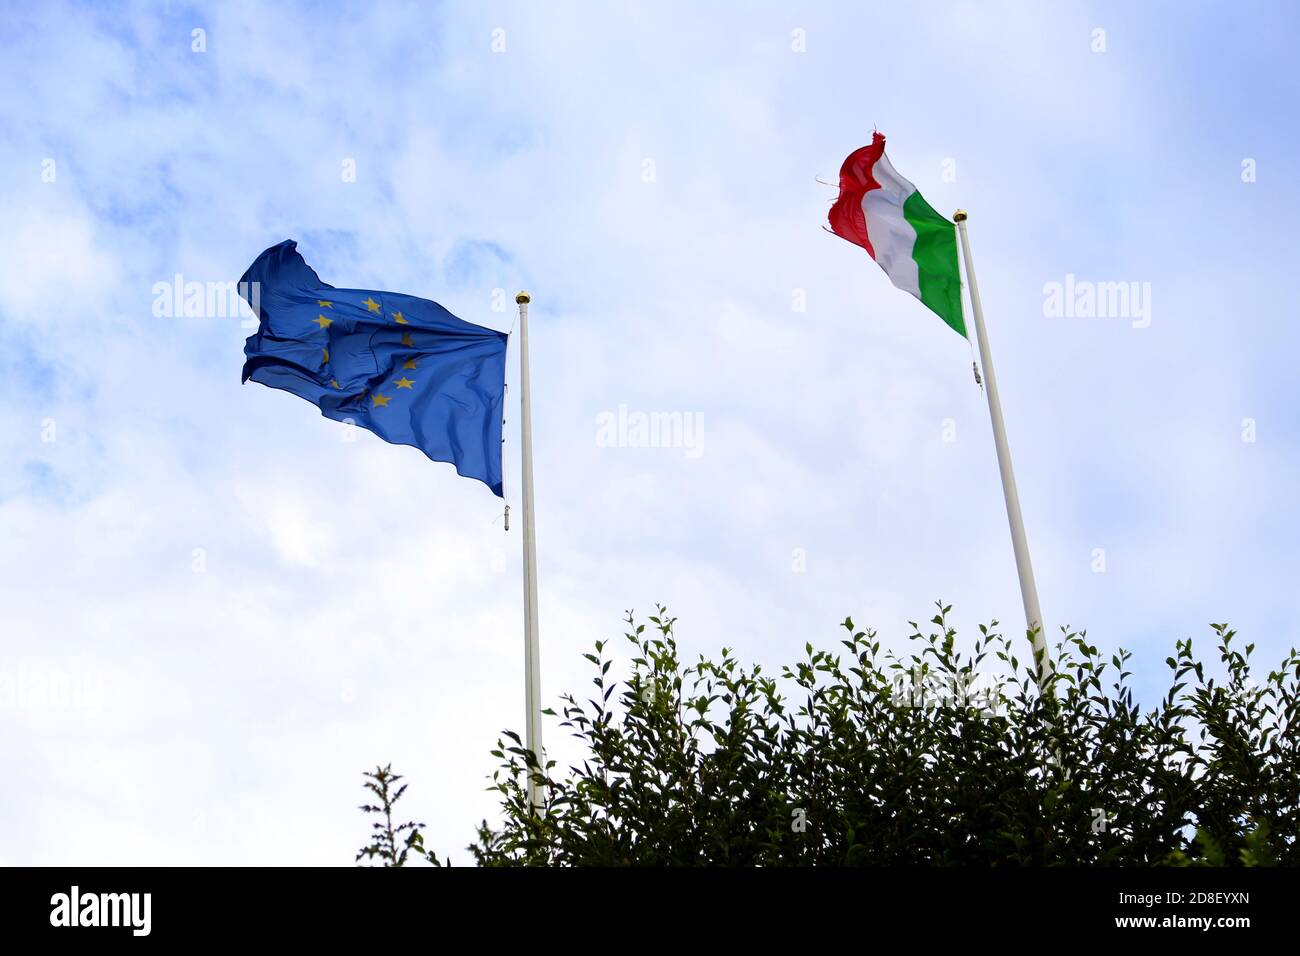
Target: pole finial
{"type": "Point", "coordinates": [959, 216]}
{"type": "Point", "coordinates": [523, 297]}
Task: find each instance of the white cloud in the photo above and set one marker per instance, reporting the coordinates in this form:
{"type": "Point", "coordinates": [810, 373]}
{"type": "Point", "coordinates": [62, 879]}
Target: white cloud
{"type": "Point", "coordinates": [357, 603]}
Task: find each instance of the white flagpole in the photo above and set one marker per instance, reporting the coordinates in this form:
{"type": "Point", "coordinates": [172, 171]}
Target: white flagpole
{"type": "Point", "coordinates": [532, 663]}
{"type": "Point", "coordinates": [1028, 591]}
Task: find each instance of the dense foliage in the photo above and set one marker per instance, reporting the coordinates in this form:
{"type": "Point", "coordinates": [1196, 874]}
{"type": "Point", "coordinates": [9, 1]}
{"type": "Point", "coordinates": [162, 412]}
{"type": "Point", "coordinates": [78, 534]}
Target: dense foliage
{"type": "Point", "coordinates": [863, 757]}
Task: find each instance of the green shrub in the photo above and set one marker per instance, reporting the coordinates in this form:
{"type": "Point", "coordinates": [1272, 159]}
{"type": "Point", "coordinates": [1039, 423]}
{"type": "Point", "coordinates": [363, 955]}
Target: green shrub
{"type": "Point", "coordinates": [391, 844]}
{"type": "Point", "coordinates": [858, 757]}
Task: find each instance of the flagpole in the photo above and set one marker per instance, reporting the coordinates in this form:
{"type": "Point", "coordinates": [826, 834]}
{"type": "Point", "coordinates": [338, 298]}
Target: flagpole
{"type": "Point", "coordinates": [1028, 590]}
{"type": "Point", "coordinates": [532, 663]}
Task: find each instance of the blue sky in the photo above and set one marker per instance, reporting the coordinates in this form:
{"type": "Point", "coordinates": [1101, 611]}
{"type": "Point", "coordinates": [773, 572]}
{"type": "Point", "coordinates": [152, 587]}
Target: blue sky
{"type": "Point", "coordinates": [219, 611]}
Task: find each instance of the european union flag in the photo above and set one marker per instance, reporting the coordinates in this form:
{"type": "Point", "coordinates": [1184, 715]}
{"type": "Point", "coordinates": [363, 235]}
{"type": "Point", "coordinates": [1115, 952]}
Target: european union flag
{"type": "Point", "coordinates": [405, 368]}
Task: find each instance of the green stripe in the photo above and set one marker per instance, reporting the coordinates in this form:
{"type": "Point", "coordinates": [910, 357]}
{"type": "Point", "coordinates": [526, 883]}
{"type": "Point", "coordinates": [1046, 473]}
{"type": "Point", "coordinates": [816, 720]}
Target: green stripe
{"type": "Point", "coordinates": [935, 253]}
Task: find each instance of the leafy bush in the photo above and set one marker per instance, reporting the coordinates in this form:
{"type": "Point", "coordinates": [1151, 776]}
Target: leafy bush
{"type": "Point", "coordinates": [390, 844]}
{"type": "Point", "coordinates": [923, 759]}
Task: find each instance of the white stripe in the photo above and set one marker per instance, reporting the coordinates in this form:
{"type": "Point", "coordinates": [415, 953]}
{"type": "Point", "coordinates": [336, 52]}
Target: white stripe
{"type": "Point", "coordinates": [892, 237]}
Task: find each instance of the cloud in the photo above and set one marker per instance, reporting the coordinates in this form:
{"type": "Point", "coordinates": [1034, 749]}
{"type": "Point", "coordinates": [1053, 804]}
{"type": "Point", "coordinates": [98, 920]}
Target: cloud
{"type": "Point", "coordinates": [255, 610]}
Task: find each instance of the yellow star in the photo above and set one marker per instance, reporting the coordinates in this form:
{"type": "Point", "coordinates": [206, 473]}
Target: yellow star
{"type": "Point", "coordinates": [326, 356]}
{"type": "Point", "coordinates": [324, 305]}
{"type": "Point", "coordinates": [334, 382]}
{"type": "Point", "coordinates": [408, 341]}
{"type": "Point", "coordinates": [399, 318]}
{"type": "Point", "coordinates": [409, 363]}
{"type": "Point", "coordinates": [404, 382]}
{"type": "Point", "coordinates": [371, 304]}
{"type": "Point", "coordinates": [380, 401]}
{"type": "Point", "coordinates": [323, 322]}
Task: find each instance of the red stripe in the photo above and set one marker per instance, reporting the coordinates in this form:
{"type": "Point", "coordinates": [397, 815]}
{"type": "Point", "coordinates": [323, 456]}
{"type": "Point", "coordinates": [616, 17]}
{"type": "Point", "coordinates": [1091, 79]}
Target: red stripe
{"type": "Point", "coordinates": [847, 219]}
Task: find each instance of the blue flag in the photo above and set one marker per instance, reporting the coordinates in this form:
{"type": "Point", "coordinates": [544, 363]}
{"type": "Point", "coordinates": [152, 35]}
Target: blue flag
{"type": "Point", "coordinates": [405, 368]}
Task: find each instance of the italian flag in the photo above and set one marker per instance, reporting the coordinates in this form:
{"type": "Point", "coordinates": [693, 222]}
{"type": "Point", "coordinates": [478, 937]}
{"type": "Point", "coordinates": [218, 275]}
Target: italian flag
{"type": "Point", "coordinates": [883, 213]}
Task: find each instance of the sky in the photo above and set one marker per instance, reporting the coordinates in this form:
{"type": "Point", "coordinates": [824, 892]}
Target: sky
{"type": "Point", "coordinates": [221, 607]}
